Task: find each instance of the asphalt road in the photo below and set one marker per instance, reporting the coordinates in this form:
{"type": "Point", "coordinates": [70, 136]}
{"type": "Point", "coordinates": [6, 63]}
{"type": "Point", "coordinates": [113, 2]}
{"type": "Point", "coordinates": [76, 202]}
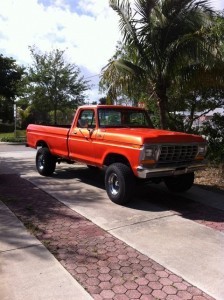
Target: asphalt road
{"type": "Point", "coordinates": [182, 233]}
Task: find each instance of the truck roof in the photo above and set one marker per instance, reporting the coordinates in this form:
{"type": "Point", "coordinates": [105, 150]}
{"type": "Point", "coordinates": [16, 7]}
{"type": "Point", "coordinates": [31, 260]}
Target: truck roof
{"type": "Point", "coordinates": [112, 106]}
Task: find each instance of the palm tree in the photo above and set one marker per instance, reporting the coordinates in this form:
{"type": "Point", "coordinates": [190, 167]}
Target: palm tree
{"type": "Point", "coordinates": [165, 41]}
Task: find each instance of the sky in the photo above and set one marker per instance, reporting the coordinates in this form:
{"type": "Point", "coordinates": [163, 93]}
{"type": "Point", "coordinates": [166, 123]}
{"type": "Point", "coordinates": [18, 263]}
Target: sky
{"type": "Point", "coordinates": [87, 30]}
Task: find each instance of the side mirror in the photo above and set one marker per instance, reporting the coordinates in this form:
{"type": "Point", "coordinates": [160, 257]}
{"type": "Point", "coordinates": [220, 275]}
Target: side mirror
{"type": "Point", "coordinates": [90, 131]}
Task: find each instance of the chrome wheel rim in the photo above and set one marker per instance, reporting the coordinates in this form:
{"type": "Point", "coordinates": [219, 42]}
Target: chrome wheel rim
{"type": "Point", "coordinates": [40, 162]}
{"type": "Point", "coordinates": [113, 183]}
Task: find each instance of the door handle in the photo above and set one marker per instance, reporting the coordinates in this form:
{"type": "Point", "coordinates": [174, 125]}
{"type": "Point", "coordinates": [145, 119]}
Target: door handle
{"type": "Point", "coordinates": [75, 132]}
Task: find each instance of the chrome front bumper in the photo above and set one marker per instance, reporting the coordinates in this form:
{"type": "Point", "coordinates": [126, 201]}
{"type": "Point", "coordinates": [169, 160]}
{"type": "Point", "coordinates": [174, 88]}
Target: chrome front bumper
{"type": "Point", "coordinates": [173, 170]}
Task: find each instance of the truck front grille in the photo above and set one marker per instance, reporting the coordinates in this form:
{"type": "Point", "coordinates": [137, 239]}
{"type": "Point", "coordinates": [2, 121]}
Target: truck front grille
{"type": "Point", "coordinates": [177, 153]}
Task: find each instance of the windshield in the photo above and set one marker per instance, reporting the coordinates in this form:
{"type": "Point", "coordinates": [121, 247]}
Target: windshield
{"type": "Point", "coordinates": [121, 117]}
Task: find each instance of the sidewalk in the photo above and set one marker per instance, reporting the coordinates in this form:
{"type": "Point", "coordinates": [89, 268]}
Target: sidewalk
{"type": "Point", "coordinates": [105, 266]}
{"type": "Point", "coordinates": [28, 270]}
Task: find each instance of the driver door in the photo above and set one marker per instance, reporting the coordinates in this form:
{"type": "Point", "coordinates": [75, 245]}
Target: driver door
{"type": "Point", "coordinates": [82, 135]}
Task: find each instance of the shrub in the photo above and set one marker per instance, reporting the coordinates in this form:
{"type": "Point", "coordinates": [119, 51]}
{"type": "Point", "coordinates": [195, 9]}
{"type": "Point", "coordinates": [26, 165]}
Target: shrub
{"type": "Point", "coordinates": [214, 133]}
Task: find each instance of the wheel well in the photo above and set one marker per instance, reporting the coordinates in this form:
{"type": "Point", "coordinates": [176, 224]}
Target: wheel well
{"type": "Point", "coordinates": [42, 144]}
{"type": "Point", "coordinates": [114, 158]}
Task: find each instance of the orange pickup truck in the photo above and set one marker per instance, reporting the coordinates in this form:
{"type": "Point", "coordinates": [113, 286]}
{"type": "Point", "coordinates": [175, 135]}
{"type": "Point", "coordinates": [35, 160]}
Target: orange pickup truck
{"type": "Point", "coordinates": [121, 140]}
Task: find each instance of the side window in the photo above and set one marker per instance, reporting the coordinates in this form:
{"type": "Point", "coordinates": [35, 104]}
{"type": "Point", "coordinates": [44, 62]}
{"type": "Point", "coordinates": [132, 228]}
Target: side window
{"type": "Point", "coordinates": [86, 119]}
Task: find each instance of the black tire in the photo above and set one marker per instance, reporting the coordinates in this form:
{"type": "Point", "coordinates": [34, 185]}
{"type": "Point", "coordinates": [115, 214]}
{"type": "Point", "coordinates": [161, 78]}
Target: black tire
{"type": "Point", "coordinates": [119, 183]}
{"type": "Point", "coordinates": [180, 183]}
{"type": "Point", "coordinates": [45, 162]}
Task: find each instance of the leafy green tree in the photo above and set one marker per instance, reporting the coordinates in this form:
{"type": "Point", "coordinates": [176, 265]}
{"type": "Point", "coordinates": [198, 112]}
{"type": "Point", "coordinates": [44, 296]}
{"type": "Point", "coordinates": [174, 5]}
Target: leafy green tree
{"type": "Point", "coordinates": [54, 85]}
{"type": "Point", "coordinates": [190, 105]}
{"type": "Point", "coordinates": [166, 44]}
{"type": "Point", "coordinates": [10, 79]}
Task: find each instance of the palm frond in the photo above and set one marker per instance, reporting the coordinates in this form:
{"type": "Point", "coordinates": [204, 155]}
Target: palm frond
{"type": "Point", "coordinates": [144, 8]}
{"type": "Point", "coordinates": [128, 26]}
{"type": "Point", "coordinates": [198, 77]}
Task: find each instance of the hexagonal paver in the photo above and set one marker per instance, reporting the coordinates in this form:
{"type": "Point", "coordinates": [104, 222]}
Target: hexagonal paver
{"type": "Point", "coordinates": [169, 290]}
{"type": "Point", "coordinates": [133, 294]}
{"type": "Point", "coordinates": [106, 285]}
{"type": "Point", "coordinates": [162, 274]}
{"type": "Point", "coordinates": [104, 277]}
{"type": "Point", "coordinates": [158, 294]}
{"type": "Point", "coordinates": [114, 266]}
{"type": "Point", "coordinates": [147, 297]}
{"type": "Point", "coordinates": [92, 273]}
{"type": "Point", "coordinates": [126, 270]}
{"type": "Point", "coordinates": [81, 270]}
{"type": "Point", "coordinates": [130, 285]}
{"type": "Point", "coordinates": [144, 290]}
{"type": "Point", "coordinates": [115, 273]}
{"type": "Point", "coordinates": [155, 285]}
{"type": "Point", "coordinates": [175, 278]}
{"type": "Point", "coordinates": [121, 297]}
{"type": "Point", "coordinates": [152, 277]}
{"type": "Point", "coordinates": [119, 289]}
{"type": "Point", "coordinates": [107, 294]}
{"type": "Point", "coordinates": [93, 281]}
{"type": "Point", "coordinates": [184, 295]}
{"type": "Point", "coordinates": [165, 281]}
{"type": "Point", "coordinates": [123, 257]}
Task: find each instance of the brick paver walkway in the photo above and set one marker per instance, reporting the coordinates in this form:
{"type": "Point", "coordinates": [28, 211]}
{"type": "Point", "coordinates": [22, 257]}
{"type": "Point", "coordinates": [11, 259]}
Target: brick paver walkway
{"type": "Point", "coordinates": [105, 266]}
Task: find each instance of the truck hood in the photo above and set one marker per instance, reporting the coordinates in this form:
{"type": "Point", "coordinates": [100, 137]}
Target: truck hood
{"type": "Point", "coordinates": [140, 136]}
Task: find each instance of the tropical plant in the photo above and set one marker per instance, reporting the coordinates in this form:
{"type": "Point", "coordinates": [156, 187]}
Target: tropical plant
{"type": "Point", "coordinates": [214, 132]}
{"type": "Point", "coordinates": [166, 44]}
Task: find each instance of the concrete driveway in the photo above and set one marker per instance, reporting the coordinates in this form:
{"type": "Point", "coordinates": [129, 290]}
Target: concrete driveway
{"type": "Point", "coordinates": [156, 223]}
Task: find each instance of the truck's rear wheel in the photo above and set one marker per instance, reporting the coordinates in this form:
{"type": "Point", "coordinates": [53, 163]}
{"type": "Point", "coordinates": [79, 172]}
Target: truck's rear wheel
{"type": "Point", "coordinates": [45, 162]}
{"type": "Point", "coordinates": [180, 183]}
{"type": "Point", "coordinates": [119, 183]}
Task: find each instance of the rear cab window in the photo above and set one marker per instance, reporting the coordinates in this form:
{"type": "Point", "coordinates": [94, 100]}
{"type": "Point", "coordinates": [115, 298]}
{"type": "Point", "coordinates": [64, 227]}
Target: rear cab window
{"type": "Point", "coordinates": [112, 118]}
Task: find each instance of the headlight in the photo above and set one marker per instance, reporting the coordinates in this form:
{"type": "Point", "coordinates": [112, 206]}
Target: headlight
{"type": "Point", "coordinates": [202, 149]}
{"type": "Point", "coordinates": [150, 154]}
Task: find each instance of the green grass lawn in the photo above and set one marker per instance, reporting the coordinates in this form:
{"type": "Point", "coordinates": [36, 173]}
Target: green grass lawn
{"type": "Point", "coordinates": [11, 137]}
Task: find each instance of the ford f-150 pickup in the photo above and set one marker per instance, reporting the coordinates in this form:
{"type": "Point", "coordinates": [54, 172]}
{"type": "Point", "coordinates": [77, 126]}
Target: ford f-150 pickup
{"type": "Point", "coordinates": [121, 140]}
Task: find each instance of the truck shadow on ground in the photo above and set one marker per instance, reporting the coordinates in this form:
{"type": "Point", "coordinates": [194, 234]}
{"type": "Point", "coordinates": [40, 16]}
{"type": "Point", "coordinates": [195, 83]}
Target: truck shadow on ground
{"type": "Point", "coordinates": [43, 215]}
{"type": "Point", "coordinates": [147, 197]}
{"type": "Point", "coordinates": [152, 197]}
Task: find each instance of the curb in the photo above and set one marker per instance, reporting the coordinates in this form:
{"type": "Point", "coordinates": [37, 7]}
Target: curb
{"type": "Point", "coordinates": [12, 143]}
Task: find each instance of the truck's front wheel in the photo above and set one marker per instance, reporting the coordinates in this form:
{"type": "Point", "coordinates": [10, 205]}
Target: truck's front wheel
{"type": "Point", "coordinates": [180, 183]}
{"type": "Point", "coordinates": [45, 162]}
{"type": "Point", "coordinates": [119, 183]}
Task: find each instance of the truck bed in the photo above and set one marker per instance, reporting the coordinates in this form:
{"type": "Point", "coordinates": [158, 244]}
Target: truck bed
{"type": "Point", "coordinates": [56, 137]}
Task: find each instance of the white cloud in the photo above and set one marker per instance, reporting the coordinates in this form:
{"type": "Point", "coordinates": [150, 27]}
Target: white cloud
{"type": "Point", "coordinates": [86, 29]}
{"type": "Point", "coordinates": [217, 4]}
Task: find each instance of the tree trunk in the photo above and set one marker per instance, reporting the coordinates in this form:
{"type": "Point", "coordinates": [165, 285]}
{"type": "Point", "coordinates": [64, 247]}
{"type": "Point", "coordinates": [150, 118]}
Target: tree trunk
{"type": "Point", "coordinates": [55, 113]}
{"type": "Point", "coordinates": [161, 92]}
{"type": "Point", "coordinates": [163, 113]}
{"type": "Point", "coordinates": [56, 101]}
